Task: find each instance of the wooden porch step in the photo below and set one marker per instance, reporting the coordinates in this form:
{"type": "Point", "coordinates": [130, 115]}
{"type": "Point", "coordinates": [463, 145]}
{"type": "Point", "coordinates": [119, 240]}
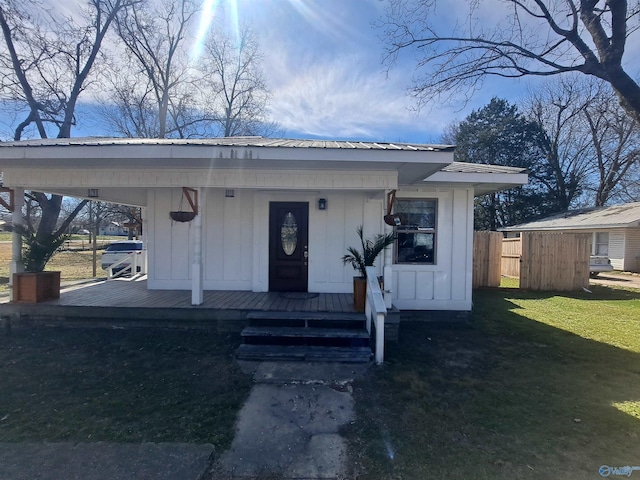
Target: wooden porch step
{"type": "Point", "coordinates": [304, 353]}
{"type": "Point", "coordinates": [305, 336]}
{"type": "Point", "coordinates": [306, 319]}
{"type": "Point", "coordinates": [330, 337]}
{"type": "Point", "coordinates": [305, 332]}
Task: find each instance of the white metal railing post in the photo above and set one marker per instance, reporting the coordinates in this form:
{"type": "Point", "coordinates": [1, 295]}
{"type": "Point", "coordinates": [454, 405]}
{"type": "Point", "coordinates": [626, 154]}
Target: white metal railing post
{"type": "Point", "coordinates": [375, 310]}
{"type": "Point", "coordinates": [387, 262]}
{"type": "Point", "coordinates": [367, 312]}
{"type": "Point", "coordinates": [380, 338]}
{"type": "Point", "coordinates": [132, 258]}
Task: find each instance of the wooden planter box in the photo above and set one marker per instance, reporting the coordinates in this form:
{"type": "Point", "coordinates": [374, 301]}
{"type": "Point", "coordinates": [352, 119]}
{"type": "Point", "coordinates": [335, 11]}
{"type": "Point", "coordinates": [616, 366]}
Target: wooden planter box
{"type": "Point", "coordinates": [36, 287]}
{"type": "Point", "coordinates": [359, 293]}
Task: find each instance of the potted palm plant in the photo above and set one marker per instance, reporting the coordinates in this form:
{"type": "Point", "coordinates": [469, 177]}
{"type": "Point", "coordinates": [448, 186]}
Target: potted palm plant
{"type": "Point", "coordinates": [364, 257]}
{"type": "Point", "coordinates": [34, 284]}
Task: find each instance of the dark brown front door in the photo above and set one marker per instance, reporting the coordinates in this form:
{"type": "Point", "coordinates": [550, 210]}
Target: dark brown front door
{"type": "Point", "coordinates": [288, 242]}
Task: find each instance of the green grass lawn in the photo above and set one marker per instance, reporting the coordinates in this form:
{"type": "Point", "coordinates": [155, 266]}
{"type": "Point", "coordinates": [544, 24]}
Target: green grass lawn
{"type": "Point", "coordinates": [537, 385]}
{"type": "Point", "coordinates": [75, 261]}
{"type": "Point", "coordinates": [132, 385]}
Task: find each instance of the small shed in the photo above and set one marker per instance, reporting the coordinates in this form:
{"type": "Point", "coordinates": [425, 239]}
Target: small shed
{"type": "Point", "coordinates": [615, 231]}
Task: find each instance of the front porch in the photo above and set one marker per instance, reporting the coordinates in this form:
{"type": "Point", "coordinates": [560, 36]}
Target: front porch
{"type": "Point", "coordinates": [128, 303]}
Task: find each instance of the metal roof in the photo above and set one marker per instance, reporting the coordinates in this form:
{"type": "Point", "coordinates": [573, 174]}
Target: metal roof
{"type": "Point", "coordinates": [462, 167]}
{"type": "Point", "coordinates": [413, 162]}
{"type": "Point", "coordinates": [616, 216]}
{"type": "Point", "coordinates": [254, 142]}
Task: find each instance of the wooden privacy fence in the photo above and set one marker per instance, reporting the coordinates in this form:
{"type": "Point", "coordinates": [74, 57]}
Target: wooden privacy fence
{"type": "Point", "coordinates": [511, 253]}
{"type": "Point", "coordinates": [542, 261]}
{"type": "Point", "coordinates": [555, 261]}
{"type": "Point", "coordinates": [487, 248]}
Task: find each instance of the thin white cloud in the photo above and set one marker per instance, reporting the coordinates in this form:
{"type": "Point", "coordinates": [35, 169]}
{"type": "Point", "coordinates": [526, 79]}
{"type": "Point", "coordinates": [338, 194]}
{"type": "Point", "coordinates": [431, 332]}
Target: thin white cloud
{"type": "Point", "coordinates": [334, 98]}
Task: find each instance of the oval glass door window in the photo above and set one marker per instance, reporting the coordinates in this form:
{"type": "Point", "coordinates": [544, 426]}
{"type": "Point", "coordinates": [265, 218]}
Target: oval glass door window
{"type": "Point", "coordinates": [289, 234]}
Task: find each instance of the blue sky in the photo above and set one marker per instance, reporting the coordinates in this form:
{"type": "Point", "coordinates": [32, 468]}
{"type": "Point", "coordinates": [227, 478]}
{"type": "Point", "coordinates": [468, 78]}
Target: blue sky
{"type": "Point", "coordinates": [323, 65]}
{"type": "Point", "coordinates": [324, 68]}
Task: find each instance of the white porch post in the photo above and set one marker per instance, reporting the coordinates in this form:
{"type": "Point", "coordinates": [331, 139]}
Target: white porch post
{"type": "Point", "coordinates": [143, 236]}
{"type": "Point", "coordinates": [387, 271]}
{"type": "Point", "coordinates": [197, 291]}
{"type": "Point", "coordinates": [16, 265]}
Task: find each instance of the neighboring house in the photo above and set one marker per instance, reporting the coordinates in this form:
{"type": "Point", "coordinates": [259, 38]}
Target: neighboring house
{"type": "Point", "coordinates": [615, 231]}
{"type": "Point", "coordinates": [113, 229]}
{"type": "Point", "coordinates": [278, 215]}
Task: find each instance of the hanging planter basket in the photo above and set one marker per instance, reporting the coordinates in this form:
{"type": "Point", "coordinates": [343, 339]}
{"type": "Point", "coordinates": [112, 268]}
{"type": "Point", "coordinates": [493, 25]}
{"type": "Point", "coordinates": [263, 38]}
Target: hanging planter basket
{"type": "Point", "coordinates": [182, 216]}
{"type": "Point", "coordinates": [397, 219]}
{"type": "Point", "coordinates": [191, 194]}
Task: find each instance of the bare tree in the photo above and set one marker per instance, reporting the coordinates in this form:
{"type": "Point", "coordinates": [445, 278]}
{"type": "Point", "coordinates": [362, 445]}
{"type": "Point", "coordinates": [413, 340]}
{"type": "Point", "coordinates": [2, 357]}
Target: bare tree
{"type": "Point", "coordinates": [233, 72]}
{"type": "Point", "coordinates": [559, 108]}
{"type": "Point", "coordinates": [153, 104]}
{"type": "Point", "coordinates": [616, 146]}
{"type": "Point", "coordinates": [131, 109]}
{"type": "Point", "coordinates": [629, 190]}
{"type": "Point", "coordinates": [45, 67]}
{"type": "Point", "coordinates": [536, 37]}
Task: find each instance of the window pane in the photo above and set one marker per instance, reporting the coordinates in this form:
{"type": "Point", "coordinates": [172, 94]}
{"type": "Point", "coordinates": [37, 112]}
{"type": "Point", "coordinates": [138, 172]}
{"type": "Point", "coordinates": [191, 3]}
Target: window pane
{"type": "Point", "coordinates": [416, 247]}
{"type": "Point", "coordinates": [421, 214]}
{"type": "Point", "coordinates": [602, 243]}
{"type": "Point", "coordinates": [289, 234]}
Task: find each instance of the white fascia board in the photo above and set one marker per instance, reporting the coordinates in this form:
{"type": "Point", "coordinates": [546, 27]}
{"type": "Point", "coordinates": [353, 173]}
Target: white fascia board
{"type": "Point", "coordinates": [50, 179]}
{"type": "Point", "coordinates": [412, 167]}
{"type": "Point", "coordinates": [203, 155]}
{"type": "Point", "coordinates": [482, 183]}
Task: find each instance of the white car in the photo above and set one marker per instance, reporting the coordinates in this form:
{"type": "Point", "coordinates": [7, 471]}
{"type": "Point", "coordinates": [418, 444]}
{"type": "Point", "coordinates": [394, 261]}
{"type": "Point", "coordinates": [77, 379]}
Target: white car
{"type": "Point", "coordinates": [599, 263]}
{"type": "Point", "coordinates": [118, 251]}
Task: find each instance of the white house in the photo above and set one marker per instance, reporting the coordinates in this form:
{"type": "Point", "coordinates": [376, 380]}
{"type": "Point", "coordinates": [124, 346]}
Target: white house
{"type": "Point", "coordinates": [113, 228]}
{"type": "Point", "coordinates": [278, 214]}
{"type": "Point", "coordinates": [615, 231]}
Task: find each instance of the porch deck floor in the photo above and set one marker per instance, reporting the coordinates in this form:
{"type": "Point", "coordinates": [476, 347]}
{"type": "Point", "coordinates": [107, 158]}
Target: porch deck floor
{"type": "Point", "coordinates": [130, 299]}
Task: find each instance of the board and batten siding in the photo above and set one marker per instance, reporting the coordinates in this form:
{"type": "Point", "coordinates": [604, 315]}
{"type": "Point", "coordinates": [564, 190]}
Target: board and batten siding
{"type": "Point", "coordinates": [236, 238]}
{"type": "Point", "coordinates": [447, 284]}
{"type": "Point", "coordinates": [331, 231]}
{"type": "Point", "coordinates": [236, 243]}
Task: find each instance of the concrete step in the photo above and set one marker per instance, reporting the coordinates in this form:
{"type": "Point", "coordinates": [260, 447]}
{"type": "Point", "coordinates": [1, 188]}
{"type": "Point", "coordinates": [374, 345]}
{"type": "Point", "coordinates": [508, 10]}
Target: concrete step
{"type": "Point", "coordinates": [303, 353]}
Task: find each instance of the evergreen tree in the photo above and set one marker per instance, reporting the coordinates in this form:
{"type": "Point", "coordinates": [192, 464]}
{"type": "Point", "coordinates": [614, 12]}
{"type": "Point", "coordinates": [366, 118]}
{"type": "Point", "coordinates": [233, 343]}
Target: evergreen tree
{"type": "Point", "coordinates": [498, 134]}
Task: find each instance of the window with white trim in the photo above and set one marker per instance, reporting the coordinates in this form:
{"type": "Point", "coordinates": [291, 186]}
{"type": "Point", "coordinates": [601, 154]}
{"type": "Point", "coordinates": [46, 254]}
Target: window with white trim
{"type": "Point", "coordinates": [416, 236]}
{"type": "Point", "coordinates": [601, 244]}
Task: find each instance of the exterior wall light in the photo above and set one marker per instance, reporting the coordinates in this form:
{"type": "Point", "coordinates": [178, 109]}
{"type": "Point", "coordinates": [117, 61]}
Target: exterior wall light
{"type": "Point", "coordinates": [322, 204]}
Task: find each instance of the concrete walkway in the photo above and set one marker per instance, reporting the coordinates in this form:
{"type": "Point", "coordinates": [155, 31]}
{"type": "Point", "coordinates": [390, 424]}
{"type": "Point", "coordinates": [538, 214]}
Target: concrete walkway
{"type": "Point", "coordinates": [287, 429]}
{"type": "Point", "coordinates": [289, 426]}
